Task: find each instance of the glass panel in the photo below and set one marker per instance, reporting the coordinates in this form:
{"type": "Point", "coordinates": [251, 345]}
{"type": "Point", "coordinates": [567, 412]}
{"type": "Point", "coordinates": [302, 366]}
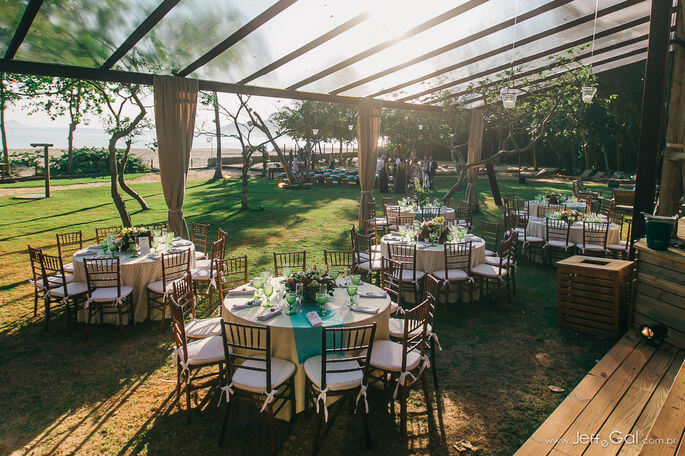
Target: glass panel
{"type": "Point", "coordinates": [389, 19]}
{"type": "Point", "coordinates": [497, 40]}
{"type": "Point", "coordinates": [284, 34]}
{"type": "Point", "coordinates": [11, 12]}
{"type": "Point", "coordinates": [192, 29]}
{"type": "Point", "coordinates": [82, 32]}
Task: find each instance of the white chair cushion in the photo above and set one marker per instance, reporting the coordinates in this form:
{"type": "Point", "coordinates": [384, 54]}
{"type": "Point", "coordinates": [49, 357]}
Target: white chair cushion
{"type": "Point", "coordinates": [207, 350]}
{"type": "Point", "coordinates": [376, 248]}
{"type": "Point", "coordinates": [387, 355]}
{"type": "Point", "coordinates": [621, 246]}
{"type": "Point", "coordinates": [531, 239]}
{"type": "Point", "coordinates": [255, 381]}
{"type": "Point", "coordinates": [453, 274]}
{"type": "Point", "coordinates": [203, 264]}
{"type": "Point", "coordinates": [381, 221]}
{"type": "Point", "coordinates": [73, 289]}
{"type": "Point", "coordinates": [56, 280]}
{"type": "Point", "coordinates": [69, 267]}
{"type": "Point", "coordinates": [201, 275]}
{"type": "Point", "coordinates": [560, 244]}
{"type": "Point", "coordinates": [205, 327]}
{"type": "Point", "coordinates": [159, 288]}
{"type": "Point", "coordinates": [106, 294]}
{"type": "Point", "coordinates": [487, 270]}
{"type": "Point", "coordinates": [519, 230]}
{"type": "Point", "coordinates": [494, 261]}
{"type": "Point", "coordinates": [408, 275]}
{"type": "Point", "coordinates": [335, 381]}
{"type": "Point", "coordinates": [489, 253]}
{"type": "Point", "coordinates": [200, 255]}
{"type": "Point", "coordinates": [396, 326]}
{"type": "Point", "coordinates": [591, 247]}
{"type": "Point", "coordinates": [375, 265]}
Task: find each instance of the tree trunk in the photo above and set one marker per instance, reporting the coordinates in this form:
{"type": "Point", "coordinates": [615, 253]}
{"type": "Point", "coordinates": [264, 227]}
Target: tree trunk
{"type": "Point", "coordinates": [341, 152]}
{"type": "Point", "coordinates": [535, 160]}
{"type": "Point", "coordinates": [244, 176]}
{"type": "Point", "coordinates": [264, 129]}
{"type": "Point", "coordinates": [114, 188]}
{"type": "Point", "coordinates": [218, 172]}
{"type": "Point", "coordinates": [124, 186]}
{"type": "Point", "coordinates": [3, 133]}
{"type": "Point", "coordinates": [70, 147]}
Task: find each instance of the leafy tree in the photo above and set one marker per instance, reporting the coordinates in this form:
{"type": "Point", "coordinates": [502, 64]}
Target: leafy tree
{"type": "Point", "coordinates": [119, 97]}
{"type": "Point", "coordinates": [10, 93]}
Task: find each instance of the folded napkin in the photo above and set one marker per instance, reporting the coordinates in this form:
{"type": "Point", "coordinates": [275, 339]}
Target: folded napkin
{"type": "Point", "coordinates": [177, 238]}
{"type": "Point", "coordinates": [270, 314]}
{"type": "Point", "coordinates": [421, 246]}
{"type": "Point", "coordinates": [378, 294]}
{"type": "Point", "coordinates": [368, 310]}
{"type": "Point", "coordinates": [252, 303]}
{"type": "Point", "coordinates": [241, 292]}
{"type": "Point", "coordinates": [84, 252]}
{"type": "Point", "coordinates": [152, 256]}
{"type": "Point", "coordinates": [314, 319]}
{"type": "Point", "coordinates": [182, 243]}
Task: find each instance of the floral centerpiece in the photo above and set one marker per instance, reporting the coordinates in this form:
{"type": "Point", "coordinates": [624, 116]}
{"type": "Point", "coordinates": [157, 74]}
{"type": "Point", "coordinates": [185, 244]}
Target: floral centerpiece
{"type": "Point", "coordinates": [421, 193]}
{"type": "Point", "coordinates": [310, 280]}
{"type": "Point", "coordinates": [435, 228]}
{"type": "Point", "coordinates": [553, 197]}
{"type": "Point", "coordinates": [569, 216]}
{"type": "Point", "coordinates": [128, 236]}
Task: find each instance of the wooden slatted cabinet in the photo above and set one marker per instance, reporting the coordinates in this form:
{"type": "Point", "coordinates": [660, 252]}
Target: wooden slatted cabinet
{"type": "Point", "coordinates": [593, 294]}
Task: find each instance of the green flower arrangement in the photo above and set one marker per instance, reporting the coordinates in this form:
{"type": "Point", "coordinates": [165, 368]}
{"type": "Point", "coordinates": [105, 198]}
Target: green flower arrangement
{"type": "Point", "coordinates": [310, 280]}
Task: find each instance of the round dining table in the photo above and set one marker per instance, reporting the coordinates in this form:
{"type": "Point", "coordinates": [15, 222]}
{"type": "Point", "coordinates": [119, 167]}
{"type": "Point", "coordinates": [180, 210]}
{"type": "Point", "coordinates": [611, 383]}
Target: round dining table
{"type": "Point", "coordinates": [445, 211]}
{"type": "Point", "coordinates": [432, 258]}
{"type": "Point", "coordinates": [534, 204]}
{"type": "Point", "coordinates": [136, 271]}
{"type": "Point", "coordinates": [537, 227]}
{"type": "Point", "coordinates": [292, 336]}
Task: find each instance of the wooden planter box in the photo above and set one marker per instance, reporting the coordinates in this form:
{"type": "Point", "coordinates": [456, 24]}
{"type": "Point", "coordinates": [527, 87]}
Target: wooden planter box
{"type": "Point", "coordinates": [593, 294]}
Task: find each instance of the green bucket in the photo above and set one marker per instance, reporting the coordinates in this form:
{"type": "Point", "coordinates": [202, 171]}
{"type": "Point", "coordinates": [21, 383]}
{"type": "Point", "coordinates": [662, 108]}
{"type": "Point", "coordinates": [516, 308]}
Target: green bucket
{"type": "Point", "coordinates": [659, 229]}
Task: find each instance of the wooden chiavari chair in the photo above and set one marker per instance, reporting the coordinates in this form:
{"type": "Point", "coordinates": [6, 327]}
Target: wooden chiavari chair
{"type": "Point", "coordinates": [428, 213]}
{"type": "Point", "coordinates": [102, 233]}
{"type": "Point", "coordinates": [191, 356]}
{"type": "Point", "coordinates": [557, 233]}
{"type": "Point", "coordinates": [392, 214]}
{"type": "Point", "coordinates": [174, 267]}
{"type": "Point", "coordinates": [199, 235]}
{"type": "Point", "coordinates": [232, 274]}
{"type": "Point", "coordinates": [252, 373]}
{"type": "Point", "coordinates": [206, 272]}
{"type": "Point", "coordinates": [489, 231]}
{"type": "Point", "coordinates": [70, 295]}
{"type": "Point", "coordinates": [105, 289]}
{"type": "Point", "coordinates": [484, 273]}
{"type": "Point", "coordinates": [338, 259]}
{"type": "Point", "coordinates": [67, 245]}
{"type": "Point", "coordinates": [366, 262]}
{"type": "Point", "coordinates": [294, 260]}
{"type": "Point", "coordinates": [594, 238]}
{"type": "Point", "coordinates": [341, 369]}
{"type": "Point", "coordinates": [457, 268]}
{"type": "Point", "coordinates": [412, 278]}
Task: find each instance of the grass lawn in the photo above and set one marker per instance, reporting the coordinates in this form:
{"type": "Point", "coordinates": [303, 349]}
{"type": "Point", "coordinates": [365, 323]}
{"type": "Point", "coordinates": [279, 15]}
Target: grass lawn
{"type": "Point", "coordinates": [112, 395]}
{"type": "Point", "coordinates": [56, 180]}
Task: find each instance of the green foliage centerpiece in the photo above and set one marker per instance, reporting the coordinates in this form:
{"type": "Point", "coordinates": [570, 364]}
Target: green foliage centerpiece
{"type": "Point", "coordinates": [311, 280]}
{"type": "Point", "coordinates": [421, 194]}
{"type": "Point", "coordinates": [128, 236]}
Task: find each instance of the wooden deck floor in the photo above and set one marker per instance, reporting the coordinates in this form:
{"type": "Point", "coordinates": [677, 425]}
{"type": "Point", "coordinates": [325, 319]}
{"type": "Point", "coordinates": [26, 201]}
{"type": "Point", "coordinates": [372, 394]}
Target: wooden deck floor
{"type": "Point", "coordinates": [631, 403]}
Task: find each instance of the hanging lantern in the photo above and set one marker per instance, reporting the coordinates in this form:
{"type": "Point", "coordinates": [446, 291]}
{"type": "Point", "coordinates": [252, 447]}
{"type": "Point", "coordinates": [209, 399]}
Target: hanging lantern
{"type": "Point", "coordinates": [315, 131]}
{"type": "Point", "coordinates": [350, 127]}
{"type": "Point", "coordinates": [509, 97]}
{"type": "Point", "coordinates": [588, 93]}
{"type": "Point", "coordinates": [420, 127]}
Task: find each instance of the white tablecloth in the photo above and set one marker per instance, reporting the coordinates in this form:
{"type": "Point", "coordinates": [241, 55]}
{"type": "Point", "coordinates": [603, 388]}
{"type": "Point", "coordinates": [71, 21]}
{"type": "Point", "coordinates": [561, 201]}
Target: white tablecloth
{"type": "Point", "coordinates": [537, 227]}
{"type": "Point", "coordinates": [429, 259]}
{"type": "Point", "coordinates": [446, 212]}
{"type": "Point", "coordinates": [137, 272]}
{"type": "Point", "coordinates": [293, 338]}
{"type": "Point", "coordinates": [533, 206]}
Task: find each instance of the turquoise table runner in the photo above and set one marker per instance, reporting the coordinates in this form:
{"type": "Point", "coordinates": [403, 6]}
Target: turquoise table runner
{"type": "Point", "coordinates": [307, 338]}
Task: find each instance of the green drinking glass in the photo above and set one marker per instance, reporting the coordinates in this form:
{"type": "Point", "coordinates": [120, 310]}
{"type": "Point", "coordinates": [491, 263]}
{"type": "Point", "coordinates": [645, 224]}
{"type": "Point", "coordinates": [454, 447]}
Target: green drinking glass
{"type": "Point", "coordinates": [321, 300]}
{"type": "Point", "coordinates": [351, 292]}
{"type": "Point", "coordinates": [356, 278]}
{"type": "Point", "coordinates": [334, 273]}
{"type": "Point", "coordinates": [268, 291]}
{"type": "Point", "coordinates": [291, 298]}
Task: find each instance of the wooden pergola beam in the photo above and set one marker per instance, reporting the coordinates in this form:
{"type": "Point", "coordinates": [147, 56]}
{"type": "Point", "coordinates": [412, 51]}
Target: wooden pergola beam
{"type": "Point", "coordinates": [519, 43]}
{"type": "Point", "coordinates": [238, 35]}
{"type": "Point", "coordinates": [23, 27]}
{"type": "Point", "coordinates": [653, 114]}
{"type": "Point", "coordinates": [128, 77]}
{"type": "Point", "coordinates": [142, 30]}
{"type": "Point", "coordinates": [386, 44]}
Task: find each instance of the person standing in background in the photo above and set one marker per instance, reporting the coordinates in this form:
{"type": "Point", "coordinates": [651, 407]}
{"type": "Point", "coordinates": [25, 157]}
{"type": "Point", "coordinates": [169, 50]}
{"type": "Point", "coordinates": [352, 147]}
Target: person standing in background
{"type": "Point", "coordinates": [429, 169]}
{"type": "Point", "coordinates": [401, 177]}
{"type": "Point", "coordinates": [383, 176]}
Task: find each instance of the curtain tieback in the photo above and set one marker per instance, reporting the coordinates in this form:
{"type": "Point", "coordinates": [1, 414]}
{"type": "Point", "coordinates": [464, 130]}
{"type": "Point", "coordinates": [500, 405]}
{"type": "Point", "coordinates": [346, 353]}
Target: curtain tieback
{"type": "Point", "coordinates": [174, 211]}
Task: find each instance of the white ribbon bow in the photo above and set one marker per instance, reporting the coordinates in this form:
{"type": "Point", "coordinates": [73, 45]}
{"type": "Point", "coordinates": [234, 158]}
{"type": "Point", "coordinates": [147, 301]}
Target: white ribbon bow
{"type": "Point", "coordinates": [228, 390]}
{"type": "Point", "coordinates": [322, 397]}
{"type": "Point", "coordinates": [362, 393]}
{"type": "Point", "coordinates": [269, 399]}
{"type": "Point", "coordinates": [185, 365]}
{"type": "Point", "coordinates": [425, 362]}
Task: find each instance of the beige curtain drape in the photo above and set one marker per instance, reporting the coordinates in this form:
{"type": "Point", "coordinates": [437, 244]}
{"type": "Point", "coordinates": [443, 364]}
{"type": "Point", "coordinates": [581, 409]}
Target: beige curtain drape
{"type": "Point", "coordinates": [368, 127]}
{"type": "Point", "coordinates": [175, 107]}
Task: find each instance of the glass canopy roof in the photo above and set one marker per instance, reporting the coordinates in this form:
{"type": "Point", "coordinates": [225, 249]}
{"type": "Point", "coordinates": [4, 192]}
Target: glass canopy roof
{"type": "Point", "coordinates": [399, 50]}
